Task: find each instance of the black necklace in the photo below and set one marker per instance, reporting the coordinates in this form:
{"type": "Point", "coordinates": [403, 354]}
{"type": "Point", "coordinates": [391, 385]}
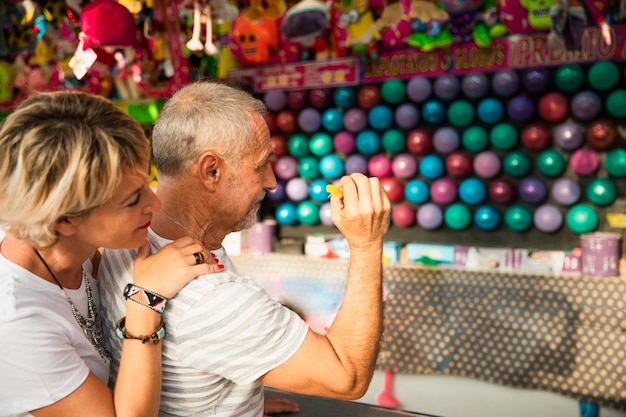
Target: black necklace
{"type": "Point", "coordinates": [89, 324]}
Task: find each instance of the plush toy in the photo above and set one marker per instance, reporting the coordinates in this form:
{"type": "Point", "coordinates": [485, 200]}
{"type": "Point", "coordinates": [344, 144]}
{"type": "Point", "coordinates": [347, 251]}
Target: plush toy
{"type": "Point", "coordinates": [394, 24]}
{"type": "Point", "coordinates": [525, 16]}
{"type": "Point", "coordinates": [362, 36]}
{"type": "Point", "coordinates": [569, 21]}
{"type": "Point", "coordinates": [200, 11]}
{"type": "Point", "coordinates": [287, 50]}
{"type": "Point", "coordinates": [96, 21]}
{"type": "Point", "coordinates": [254, 36]}
{"type": "Point", "coordinates": [305, 22]}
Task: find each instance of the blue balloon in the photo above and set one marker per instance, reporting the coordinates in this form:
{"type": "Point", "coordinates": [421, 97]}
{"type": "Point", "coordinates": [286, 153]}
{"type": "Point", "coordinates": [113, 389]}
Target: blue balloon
{"type": "Point", "coordinates": [331, 166]}
{"type": "Point", "coordinates": [368, 142]}
{"type": "Point", "coordinates": [472, 191]}
{"type": "Point", "coordinates": [317, 190]}
{"type": "Point", "coordinates": [431, 167]}
{"type": "Point", "coordinates": [286, 213]}
{"type": "Point", "coordinates": [433, 111]}
{"type": "Point", "coordinates": [416, 191]}
{"type": "Point", "coordinates": [344, 97]}
{"type": "Point", "coordinates": [490, 110]}
{"type": "Point", "coordinates": [332, 120]}
{"type": "Point", "coordinates": [487, 217]}
{"type": "Point", "coordinates": [380, 117]}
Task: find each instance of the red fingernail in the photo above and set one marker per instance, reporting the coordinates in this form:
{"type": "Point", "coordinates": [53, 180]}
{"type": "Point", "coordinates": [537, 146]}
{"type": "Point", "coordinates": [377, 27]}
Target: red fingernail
{"type": "Point", "coordinates": [220, 266]}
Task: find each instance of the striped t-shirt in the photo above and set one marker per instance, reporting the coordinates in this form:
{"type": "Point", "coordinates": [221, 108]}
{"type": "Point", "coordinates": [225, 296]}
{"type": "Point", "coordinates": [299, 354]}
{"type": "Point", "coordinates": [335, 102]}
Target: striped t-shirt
{"type": "Point", "coordinates": [223, 332]}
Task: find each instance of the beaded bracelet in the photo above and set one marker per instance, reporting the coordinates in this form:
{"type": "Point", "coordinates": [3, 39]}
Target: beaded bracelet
{"type": "Point", "coordinates": [154, 338]}
{"type": "Point", "coordinates": [145, 297]}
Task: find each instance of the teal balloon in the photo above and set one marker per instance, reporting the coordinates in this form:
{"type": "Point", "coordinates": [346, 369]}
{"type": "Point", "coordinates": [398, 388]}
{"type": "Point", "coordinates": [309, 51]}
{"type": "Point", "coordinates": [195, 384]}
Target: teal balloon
{"type": "Point", "coordinates": [550, 163]}
{"type": "Point", "coordinates": [603, 75]}
{"type": "Point", "coordinates": [457, 216]}
{"type": "Point", "coordinates": [503, 136]}
{"type": "Point", "coordinates": [307, 212]}
{"type": "Point", "coordinates": [393, 140]}
{"type": "Point", "coordinates": [308, 167]}
{"type": "Point", "coordinates": [461, 113]}
{"type": "Point", "coordinates": [616, 103]}
{"type": "Point", "coordinates": [475, 139]}
{"type": "Point", "coordinates": [601, 191]}
{"type": "Point", "coordinates": [615, 163]}
{"type": "Point", "coordinates": [298, 145]}
{"type": "Point", "coordinates": [516, 164]}
{"type": "Point", "coordinates": [320, 144]}
{"type": "Point", "coordinates": [393, 91]}
{"type": "Point", "coordinates": [569, 78]}
{"type": "Point", "coordinates": [581, 218]}
{"type": "Point", "coordinates": [518, 218]}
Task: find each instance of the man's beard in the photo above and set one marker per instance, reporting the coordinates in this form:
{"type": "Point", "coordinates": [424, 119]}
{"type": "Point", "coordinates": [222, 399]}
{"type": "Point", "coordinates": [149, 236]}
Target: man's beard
{"type": "Point", "coordinates": [251, 218]}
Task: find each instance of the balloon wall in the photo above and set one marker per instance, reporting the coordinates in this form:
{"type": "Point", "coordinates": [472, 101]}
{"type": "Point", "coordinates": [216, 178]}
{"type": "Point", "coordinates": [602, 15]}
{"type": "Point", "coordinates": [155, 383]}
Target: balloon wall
{"type": "Point", "coordinates": [501, 155]}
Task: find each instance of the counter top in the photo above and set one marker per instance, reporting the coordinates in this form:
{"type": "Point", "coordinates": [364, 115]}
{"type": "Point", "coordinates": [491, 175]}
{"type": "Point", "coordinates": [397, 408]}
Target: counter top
{"type": "Point", "coordinates": [311, 406]}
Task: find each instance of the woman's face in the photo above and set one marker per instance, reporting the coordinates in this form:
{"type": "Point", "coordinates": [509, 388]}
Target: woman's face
{"type": "Point", "coordinates": [122, 222]}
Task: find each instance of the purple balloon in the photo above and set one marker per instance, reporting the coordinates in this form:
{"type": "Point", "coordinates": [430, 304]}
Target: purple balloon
{"type": "Point", "coordinates": [309, 120]}
{"type": "Point", "coordinates": [418, 89]}
{"type": "Point", "coordinates": [443, 191]}
{"type": "Point", "coordinates": [446, 87]}
{"type": "Point", "coordinates": [584, 162]}
{"type": "Point", "coordinates": [278, 193]}
{"type": "Point", "coordinates": [532, 190]}
{"type": "Point", "coordinates": [505, 83]}
{"type": "Point", "coordinates": [536, 81]}
{"type": "Point", "coordinates": [325, 215]}
{"type": "Point", "coordinates": [548, 218]}
{"type": "Point", "coordinates": [586, 105]}
{"type": "Point", "coordinates": [566, 191]}
{"type": "Point", "coordinates": [429, 216]}
{"type": "Point", "coordinates": [569, 136]}
{"type": "Point", "coordinates": [475, 85]}
{"type": "Point", "coordinates": [286, 167]}
{"type": "Point", "coordinates": [344, 142]}
{"type": "Point", "coordinates": [521, 109]}
{"type": "Point", "coordinates": [404, 166]}
{"type": "Point", "coordinates": [355, 163]}
{"type": "Point", "coordinates": [446, 140]}
{"type": "Point", "coordinates": [355, 120]}
{"type": "Point", "coordinates": [487, 164]}
{"type": "Point", "coordinates": [297, 189]}
{"type": "Point", "coordinates": [407, 116]}
{"type": "Point", "coordinates": [275, 100]}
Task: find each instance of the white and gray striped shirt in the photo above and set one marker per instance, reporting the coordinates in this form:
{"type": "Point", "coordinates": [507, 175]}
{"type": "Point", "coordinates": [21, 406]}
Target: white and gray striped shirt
{"type": "Point", "coordinates": [223, 332]}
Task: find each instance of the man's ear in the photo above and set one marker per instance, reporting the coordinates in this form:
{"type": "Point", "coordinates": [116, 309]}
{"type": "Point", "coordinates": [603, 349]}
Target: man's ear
{"type": "Point", "coordinates": [66, 226]}
{"type": "Point", "coordinates": [210, 167]}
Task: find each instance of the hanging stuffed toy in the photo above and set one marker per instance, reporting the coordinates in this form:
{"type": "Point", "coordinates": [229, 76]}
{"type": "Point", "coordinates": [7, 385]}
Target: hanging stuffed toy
{"type": "Point", "coordinates": [394, 24]}
{"type": "Point", "coordinates": [254, 36]}
{"type": "Point", "coordinates": [569, 22]}
{"type": "Point", "coordinates": [287, 50]}
{"type": "Point", "coordinates": [194, 44]}
{"type": "Point", "coordinates": [307, 23]}
{"type": "Point", "coordinates": [358, 21]}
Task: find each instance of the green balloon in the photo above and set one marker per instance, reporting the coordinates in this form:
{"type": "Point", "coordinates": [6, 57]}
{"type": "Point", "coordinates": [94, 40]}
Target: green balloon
{"type": "Point", "coordinates": [503, 136]}
{"type": "Point", "coordinates": [516, 164]}
{"type": "Point", "coordinates": [461, 113]}
{"type": "Point", "coordinates": [615, 163]}
{"type": "Point", "coordinates": [569, 78]}
{"type": "Point", "coordinates": [308, 167]}
{"type": "Point", "coordinates": [457, 216]}
{"type": "Point", "coordinates": [518, 218]}
{"type": "Point", "coordinates": [601, 191]}
{"type": "Point", "coordinates": [393, 140]}
{"type": "Point", "coordinates": [307, 212]}
{"type": "Point", "coordinates": [475, 139]}
{"type": "Point", "coordinates": [616, 103]}
{"type": "Point", "coordinates": [581, 218]}
{"type": "Point", "coordinates": [393, 91]}
{"type": "Point", "coordinates": [550, 163]}
{"type": "Point", "coordinates": [321, 144]}
{"type": "Point", "coordinates": [298, 145]}
{"type": "Point", "coordinates": [603, 75]}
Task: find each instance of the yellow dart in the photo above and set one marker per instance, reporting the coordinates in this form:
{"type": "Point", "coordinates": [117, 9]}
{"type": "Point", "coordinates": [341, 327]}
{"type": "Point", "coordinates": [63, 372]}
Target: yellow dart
{"type": "Point", "coordinates": [334, 190]}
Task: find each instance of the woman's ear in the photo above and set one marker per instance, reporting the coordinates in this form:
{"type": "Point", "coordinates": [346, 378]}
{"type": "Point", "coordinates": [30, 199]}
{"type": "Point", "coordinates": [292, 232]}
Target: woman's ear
{"type": "Point", "coordinates": [66, 226]}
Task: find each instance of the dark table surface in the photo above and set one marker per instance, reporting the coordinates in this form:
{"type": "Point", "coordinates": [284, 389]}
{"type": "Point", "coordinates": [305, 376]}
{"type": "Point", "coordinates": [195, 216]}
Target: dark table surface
{"type": "Point", "coordinates": [311, 406]}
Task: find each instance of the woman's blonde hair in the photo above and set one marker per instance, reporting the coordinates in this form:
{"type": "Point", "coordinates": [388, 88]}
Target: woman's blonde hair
{"type": "Point", "coordinates": [63, 154]}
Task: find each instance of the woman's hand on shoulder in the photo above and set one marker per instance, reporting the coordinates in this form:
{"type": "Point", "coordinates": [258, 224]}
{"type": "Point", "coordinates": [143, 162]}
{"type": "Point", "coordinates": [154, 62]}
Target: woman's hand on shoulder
{"type": "Point", "coordinates": [173, 266]}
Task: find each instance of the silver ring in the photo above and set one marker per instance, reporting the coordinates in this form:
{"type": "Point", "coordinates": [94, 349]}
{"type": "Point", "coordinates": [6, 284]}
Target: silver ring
{"type": "Point", "coordinates": [199, 258]}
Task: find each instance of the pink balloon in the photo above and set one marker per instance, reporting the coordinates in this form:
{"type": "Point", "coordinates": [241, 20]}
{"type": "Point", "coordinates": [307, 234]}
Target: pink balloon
{"type": "Point", "coordinates": [379, 166]}
{"type": "Point", "coordinates": [403, 215]}
{"type": "Point", "coordinates": [487, 164]}
{"type": "Point", "coordinates": [404, 166]}
{"type": "Point", "coordinates": [443, 191]}
{"type": "Point", "coordinates": [584, 162]}
{"type": "Point", "coordinates": [344, 142]}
